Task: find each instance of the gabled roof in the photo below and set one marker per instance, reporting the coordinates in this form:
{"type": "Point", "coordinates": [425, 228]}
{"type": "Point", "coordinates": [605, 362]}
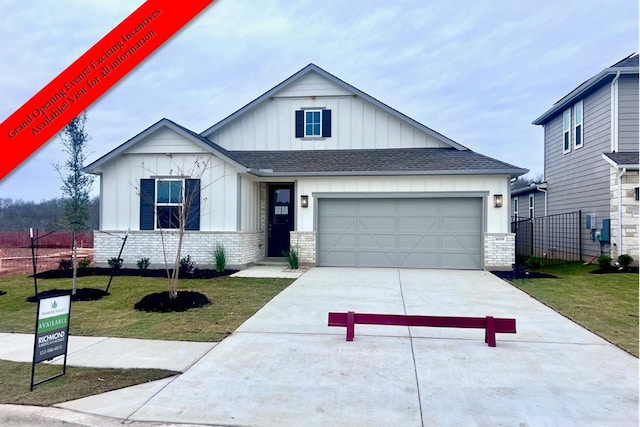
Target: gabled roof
{"type": "Point", "coordinates": [203, 142]}
{"type": "Point", "coordinates": [628, 65]}
{"type": "Point", "coordinates": [625, 159]}
{"type": "Point", "coordinates": [400, 161]}
{"type": "Point", "coordinates": [312, 68]}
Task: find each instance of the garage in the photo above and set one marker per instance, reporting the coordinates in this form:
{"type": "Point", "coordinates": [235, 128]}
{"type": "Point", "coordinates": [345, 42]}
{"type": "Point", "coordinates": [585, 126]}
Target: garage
{"type": "Point", "coordinates": [409, 233]}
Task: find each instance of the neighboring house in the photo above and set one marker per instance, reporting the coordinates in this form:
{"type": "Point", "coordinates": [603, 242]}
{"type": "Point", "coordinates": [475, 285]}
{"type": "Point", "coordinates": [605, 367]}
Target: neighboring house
{"type": "Point", "coordinates": [591, 158]}
{"type": "Point", "coordinates": [528, 202]}
{"type": "Point", "coordinates": [316, 165]}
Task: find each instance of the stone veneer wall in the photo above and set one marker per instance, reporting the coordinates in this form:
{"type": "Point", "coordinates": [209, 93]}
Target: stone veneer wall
{"type": "Point", "coordinates": [499, 251]}
{"type": "Point", "coordinates": [241, 248]}
{"type": "Point", "coordinates": [630, 215]}
{"type": "Point", "coordinates": [305, 243]}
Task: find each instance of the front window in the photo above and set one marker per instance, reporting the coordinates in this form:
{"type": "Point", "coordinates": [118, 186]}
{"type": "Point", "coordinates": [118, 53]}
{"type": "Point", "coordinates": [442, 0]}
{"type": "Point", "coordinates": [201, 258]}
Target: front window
{"type": "Point", "coordinates": [577, 129]}
{"type": "Point", "coordinates": [515, 208]}
{"type": "Point", "coordinates": [169, 198]}
{"type": "Point", "coordinates": [566, 131]}
{"type": "Point", "coordinates": [312, 123]}
{"type": "Point", "coordinates": [531, 206]}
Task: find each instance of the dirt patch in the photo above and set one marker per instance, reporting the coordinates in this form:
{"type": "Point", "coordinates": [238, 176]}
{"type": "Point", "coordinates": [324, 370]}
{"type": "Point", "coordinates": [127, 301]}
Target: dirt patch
{"type": "Point", "coordinates": [19, 261]}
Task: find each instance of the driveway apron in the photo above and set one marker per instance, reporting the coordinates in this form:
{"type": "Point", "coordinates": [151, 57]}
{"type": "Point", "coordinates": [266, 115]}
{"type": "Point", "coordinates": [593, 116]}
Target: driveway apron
{"type": "Point", "coordinates": [285, 367]}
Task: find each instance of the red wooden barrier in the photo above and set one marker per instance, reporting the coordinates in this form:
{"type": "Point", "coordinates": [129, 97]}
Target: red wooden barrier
{"type": "Point", "coordinates": [490, 324]}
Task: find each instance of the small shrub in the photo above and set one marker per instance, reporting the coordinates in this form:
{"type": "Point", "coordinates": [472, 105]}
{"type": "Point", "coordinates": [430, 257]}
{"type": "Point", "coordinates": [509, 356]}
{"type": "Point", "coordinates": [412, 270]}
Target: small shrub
{"type": "Point", "coordinates": [65, 264]}
{"type": "Point", "coordinates": [604, 261]}
{"type": "Point", "coordinates": [187, 266]}
{"type": "Point", "coordinates": [534, 262]}
{"type": "Point", "coordinates": [84, 263]}
{"type": "Point", "coordinates": [292, 258]}
{"type": "Point", "coordinates": [220, 258]}
{"type": "Point", "coordinates": [625, 260]}
{"type": "Point", "coordinates": [143, 263]}
{"type": "Point", "coordinates": [115, 263]}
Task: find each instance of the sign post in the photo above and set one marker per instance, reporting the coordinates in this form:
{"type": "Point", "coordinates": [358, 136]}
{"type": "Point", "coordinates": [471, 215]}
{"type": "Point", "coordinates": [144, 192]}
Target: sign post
{"type": "Point", "coordinates": [52, 332]}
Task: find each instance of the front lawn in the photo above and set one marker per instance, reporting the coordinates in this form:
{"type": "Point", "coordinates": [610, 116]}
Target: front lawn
{"type": "Point", "coordinates": [606, 304]}
{"type": "Point", "coordinates": [233, 300]}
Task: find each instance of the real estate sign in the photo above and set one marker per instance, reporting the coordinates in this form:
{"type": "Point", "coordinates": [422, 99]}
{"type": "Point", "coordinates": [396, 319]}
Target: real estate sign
{"type": "Point", "coordinates": [52, 328]}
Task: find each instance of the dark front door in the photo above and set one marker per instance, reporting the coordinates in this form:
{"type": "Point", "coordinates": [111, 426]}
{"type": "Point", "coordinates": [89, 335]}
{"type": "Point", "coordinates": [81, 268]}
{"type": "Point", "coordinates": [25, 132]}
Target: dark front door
{"type": "Point", "coordinates": [280, 218]}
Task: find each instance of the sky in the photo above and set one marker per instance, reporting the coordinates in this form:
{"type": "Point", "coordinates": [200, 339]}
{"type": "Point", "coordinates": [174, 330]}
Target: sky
{"type": "Point", "coordinates": [478, 72]}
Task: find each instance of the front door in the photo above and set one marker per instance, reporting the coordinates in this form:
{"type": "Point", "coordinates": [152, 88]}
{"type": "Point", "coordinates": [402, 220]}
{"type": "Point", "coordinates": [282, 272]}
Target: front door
{"type": "Point", "coordinates": [280, 219]}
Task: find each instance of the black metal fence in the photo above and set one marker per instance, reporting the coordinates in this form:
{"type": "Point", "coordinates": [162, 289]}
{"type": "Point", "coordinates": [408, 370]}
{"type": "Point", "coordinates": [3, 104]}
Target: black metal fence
{"type": "Point", "coordinates": [554, 238]}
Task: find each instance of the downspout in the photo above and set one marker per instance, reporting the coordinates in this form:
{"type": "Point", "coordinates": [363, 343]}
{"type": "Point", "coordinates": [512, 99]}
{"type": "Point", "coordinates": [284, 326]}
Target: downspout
{"type": "Point", "coordinates": [543, 188]}
{"type": "Point", "coordinates": [620, 175]}
{"type": "Point", "coordinates": [614, 113]}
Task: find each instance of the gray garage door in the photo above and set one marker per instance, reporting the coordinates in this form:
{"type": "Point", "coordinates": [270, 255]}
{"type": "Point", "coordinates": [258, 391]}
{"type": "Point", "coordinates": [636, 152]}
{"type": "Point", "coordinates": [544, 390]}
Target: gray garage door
{"type": "Point", "coordinates": [413, 233]}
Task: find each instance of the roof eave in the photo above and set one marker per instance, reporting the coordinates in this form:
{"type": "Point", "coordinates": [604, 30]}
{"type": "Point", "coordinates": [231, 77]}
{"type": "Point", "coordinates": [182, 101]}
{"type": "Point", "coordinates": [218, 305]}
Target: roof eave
{"type": "Point", "coordinates": [579, 92]}
{"type": "Point", "coordinates": [629, 166]}
{"type": "Point", "coordinates": [513, 173]}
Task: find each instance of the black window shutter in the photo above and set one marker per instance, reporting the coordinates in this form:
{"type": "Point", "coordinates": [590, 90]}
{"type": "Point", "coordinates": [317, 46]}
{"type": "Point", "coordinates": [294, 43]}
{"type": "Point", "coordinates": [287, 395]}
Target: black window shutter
{"type": "Point", "coordinates": [192, 196]}
{"type": "Point", "coordinates": [147, 202]}
{"type": "Point", "coordinates": [326, 123]}
{"type": "Point", "coordinates": [299, 124]}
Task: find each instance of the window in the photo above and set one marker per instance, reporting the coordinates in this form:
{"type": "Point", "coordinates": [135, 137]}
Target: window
{"type": "Point", "coordinates": [515, 208]}
{"type": "Point", "coordinates": [313, 123]}
{"type": "Point", "coordinates": [577, 127]}
{"type": "Point", "coordinates": [531, 206]}
{"type": "Point", "coordinates": [168, 203]}
{"type": "Point", "coordinates": [162, 200]}
{"type": "Point", "coordinates": [566, 131]}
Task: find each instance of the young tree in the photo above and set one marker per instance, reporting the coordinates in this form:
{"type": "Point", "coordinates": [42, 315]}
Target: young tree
{"type": "Point", "coordinates": [77, 184]}
{"type": "Point", "coordinates": [179, 218]}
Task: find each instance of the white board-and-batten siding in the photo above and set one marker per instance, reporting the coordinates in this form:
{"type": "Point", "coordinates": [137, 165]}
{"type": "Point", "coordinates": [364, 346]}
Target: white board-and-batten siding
{"type": "Point", "coordinates": [120, 182]}
{"type": "Point", "coordinates": [356, 123]}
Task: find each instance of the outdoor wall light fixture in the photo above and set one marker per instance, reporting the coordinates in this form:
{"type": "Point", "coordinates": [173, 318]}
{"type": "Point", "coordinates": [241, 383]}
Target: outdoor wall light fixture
{"type": "Point", "coordinates": [497, 200]}
{"type": "Point", "coordinates": [304, 201]}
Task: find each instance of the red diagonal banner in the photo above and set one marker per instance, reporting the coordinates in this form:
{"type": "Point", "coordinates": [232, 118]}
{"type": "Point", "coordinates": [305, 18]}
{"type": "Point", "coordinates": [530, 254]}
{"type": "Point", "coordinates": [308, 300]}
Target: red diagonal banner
{"type": "Point", "coordinates": [90, 76]}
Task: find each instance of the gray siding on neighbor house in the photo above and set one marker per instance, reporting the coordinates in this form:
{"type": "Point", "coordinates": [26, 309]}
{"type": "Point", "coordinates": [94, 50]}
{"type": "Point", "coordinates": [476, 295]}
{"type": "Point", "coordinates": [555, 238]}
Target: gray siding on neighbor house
{"type": "Point", "coordinates": [628, 113]}
{"type": "Point", "coordinates": [523, 204]}
{"type": "Point", "coordinates": [579, 179]}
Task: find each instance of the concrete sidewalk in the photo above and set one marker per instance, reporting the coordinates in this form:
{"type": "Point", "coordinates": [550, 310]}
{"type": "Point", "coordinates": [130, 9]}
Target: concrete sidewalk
{"type": "Point", "coordinates": [285, 367]}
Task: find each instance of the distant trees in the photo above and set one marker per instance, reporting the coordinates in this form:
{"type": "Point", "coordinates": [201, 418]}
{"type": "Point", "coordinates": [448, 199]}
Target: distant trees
{"type": "Point", "coordinates": [526, 180]}
{"type": "Point", "coordinates": [46, 215]}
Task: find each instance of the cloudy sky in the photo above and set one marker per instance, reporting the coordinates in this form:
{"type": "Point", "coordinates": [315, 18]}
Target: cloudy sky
{"type": "Point", "coordinates": [476, 71]}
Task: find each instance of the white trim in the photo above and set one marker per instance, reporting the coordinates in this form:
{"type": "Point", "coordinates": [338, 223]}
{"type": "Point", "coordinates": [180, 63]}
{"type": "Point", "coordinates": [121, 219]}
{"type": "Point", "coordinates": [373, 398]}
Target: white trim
{"type": "Point", "coordinates": [566, 131]}
{"type": "Point", "coordinates": [532, 206]}
{"type": "Point", "coordinates": [578, 131]}
{"type": "Point", "coordinates": [157, 204]}
{"type": "Point", "coordinates": [515, 207]}
{"type": "Point", "coordinates": [614, 113]}
{"type": "Point", "coordinates": [304, 123]}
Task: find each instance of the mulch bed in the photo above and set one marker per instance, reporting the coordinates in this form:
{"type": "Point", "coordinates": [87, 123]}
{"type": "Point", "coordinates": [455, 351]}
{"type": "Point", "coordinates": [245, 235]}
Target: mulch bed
{"type": "Point", "coordinates": [519, 273]}
{"type": "Point", "coordinates": [97, 271]}
{"type": "Point", "coordinates": [82, 294]}
{"type": "Point", "coordinates": [160, 303]}
{"type": "Point", "coordinates": [2, 293]}
{"type": "Point", "coordinates": [615, 270]}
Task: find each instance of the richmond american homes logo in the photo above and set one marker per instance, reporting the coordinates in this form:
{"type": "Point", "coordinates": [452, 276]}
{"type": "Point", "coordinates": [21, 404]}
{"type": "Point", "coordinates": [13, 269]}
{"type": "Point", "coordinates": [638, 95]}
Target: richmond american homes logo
{"type": "Point", "coordinates": [52, 327]}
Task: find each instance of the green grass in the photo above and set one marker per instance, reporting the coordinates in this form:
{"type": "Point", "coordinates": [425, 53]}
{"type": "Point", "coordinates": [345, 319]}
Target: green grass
{"type": "Point", "coordinates": [606, 304]}
{"type": "Point", "coordinates": [15, 380]}
{"type": "Point", "coordinates": [233, 301]}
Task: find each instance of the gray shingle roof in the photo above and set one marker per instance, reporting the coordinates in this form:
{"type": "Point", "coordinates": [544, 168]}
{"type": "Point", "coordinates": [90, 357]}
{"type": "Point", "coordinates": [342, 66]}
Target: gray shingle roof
{"type": "Point", "coordinates": [624, 158]}
{"type": "Point", "coordinates": [372, 161]}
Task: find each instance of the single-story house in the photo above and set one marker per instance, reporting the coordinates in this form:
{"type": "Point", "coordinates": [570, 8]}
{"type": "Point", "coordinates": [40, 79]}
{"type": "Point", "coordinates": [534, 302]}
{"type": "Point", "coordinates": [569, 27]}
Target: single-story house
{"type": "Point", "coordinates": [314, 165]}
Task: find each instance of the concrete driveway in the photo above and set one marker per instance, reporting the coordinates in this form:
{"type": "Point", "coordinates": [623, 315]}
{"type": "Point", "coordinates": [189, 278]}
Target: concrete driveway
{"type": "Point", "coordinates": [285, 367]}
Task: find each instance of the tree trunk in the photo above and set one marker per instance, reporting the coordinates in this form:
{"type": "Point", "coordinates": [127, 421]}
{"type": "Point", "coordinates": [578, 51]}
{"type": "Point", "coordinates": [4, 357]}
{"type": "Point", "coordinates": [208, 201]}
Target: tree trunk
{"type": "Point", "coordinates": [75, 263]}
